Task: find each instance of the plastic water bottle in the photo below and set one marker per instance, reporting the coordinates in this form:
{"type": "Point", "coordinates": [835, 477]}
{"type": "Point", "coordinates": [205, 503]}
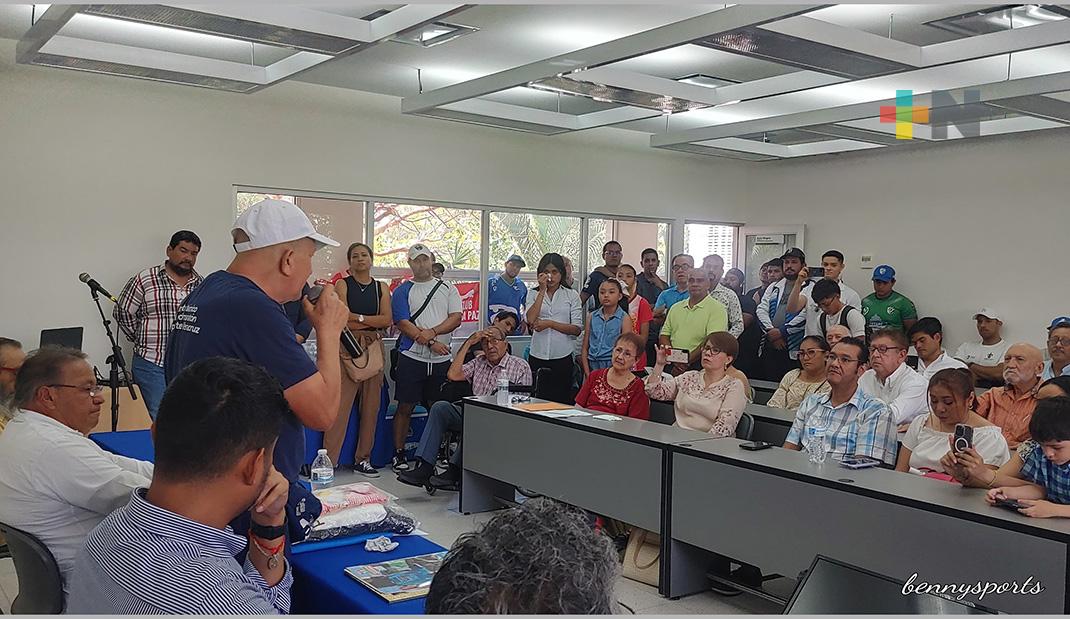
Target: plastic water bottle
{"type": "Point", "coordinates": [816, 445]}
{"type": "Point", "coordinates": [503, 391]}
{"type": "Point", "coordinates": [322, 471]}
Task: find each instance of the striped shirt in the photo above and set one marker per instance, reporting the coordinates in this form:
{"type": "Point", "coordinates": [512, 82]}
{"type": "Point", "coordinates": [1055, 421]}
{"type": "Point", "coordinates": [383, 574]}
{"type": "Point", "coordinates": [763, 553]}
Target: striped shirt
{"type": "Point", "coordinates": [146, 560]}
{"type": "Point", "coordinates": [484, 376]}
{"type": "Point", "coordinates": [861, 426]}
{"type": "Point", "coordinates": [146, 308]}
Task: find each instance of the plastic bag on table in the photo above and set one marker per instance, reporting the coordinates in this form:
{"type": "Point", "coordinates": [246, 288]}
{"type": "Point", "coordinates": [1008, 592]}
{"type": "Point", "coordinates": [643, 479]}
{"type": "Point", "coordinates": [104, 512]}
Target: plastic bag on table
{"type": "Point", "coordinates": [363, 520]}
{"type": "Point", "coordinates": [338, 498]}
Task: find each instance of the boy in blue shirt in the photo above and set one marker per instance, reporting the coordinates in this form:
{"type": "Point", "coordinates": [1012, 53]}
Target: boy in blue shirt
{"type": "Point", "coordinates": [506, 291]}
{"type": "Point", "coordinates": [1043, 485]}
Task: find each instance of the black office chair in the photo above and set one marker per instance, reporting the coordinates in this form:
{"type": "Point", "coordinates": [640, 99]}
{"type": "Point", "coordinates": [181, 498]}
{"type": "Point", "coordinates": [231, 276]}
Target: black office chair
{"type": "Point", "coordinates": [745, 426]}
{"type": "Point", "coordinates": [40, 585]}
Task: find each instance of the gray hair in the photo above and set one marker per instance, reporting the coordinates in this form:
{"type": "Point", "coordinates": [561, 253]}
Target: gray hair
{"type": "Point", "coordinates": [42, 367]}
{"type": "Point", "coordinates": [543, 557]}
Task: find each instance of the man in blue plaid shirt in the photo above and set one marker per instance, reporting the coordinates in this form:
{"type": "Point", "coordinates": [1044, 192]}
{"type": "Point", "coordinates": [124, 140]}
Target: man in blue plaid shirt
{"type": "Point", "coordinates": [855, 423]}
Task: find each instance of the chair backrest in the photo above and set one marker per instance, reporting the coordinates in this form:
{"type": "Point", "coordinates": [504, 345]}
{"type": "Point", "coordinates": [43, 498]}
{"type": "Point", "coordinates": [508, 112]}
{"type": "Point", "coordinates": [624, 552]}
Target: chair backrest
{"type": "Point", "coordinates": [540, 383]}
{"type": "Point", "coordinates": [745, 426]}
{"type": "Point", "coordinates": [40, 585]}
{"type": "Point", "coordinates": [455, 390]}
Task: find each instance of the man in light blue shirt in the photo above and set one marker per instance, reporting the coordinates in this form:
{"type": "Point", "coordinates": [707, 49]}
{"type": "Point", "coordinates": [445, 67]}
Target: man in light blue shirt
{"type": "Point", "coordinates": [506, 291]}
{"type": "Point", "coordinates": [681, 266]}
{"type": "Point", "coordinates": [1058, 349]}
{"type": "Point", "coordinates": [855, 423]}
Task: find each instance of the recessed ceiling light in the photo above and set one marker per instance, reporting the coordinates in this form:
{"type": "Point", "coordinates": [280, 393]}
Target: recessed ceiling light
{"type": "Point", "coordinates": [612, 94]}
{"type": "Point", "coordinates": [435, 33]}
{"type": "Point", "coordinates": [706, 81]}
{"type": "Point", "coordinates": [1000, 18]}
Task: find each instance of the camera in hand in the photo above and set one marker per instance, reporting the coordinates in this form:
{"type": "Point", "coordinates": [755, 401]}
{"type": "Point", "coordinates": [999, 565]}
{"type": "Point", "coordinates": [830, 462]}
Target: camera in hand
{"type": "Point", "coordinates": [349, 341]}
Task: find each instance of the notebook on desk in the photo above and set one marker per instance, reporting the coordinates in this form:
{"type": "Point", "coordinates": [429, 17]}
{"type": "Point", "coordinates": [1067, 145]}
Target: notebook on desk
{"type": "Point", "coordinates": [399, 579]}
{"type": "Point", "coordinates": [534, 407]}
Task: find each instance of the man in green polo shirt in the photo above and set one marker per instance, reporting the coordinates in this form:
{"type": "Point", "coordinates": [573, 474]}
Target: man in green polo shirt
{"type": "Point", "coordinates": [886, 308]}
{"type": "Point", "coordinates": [691, 320]}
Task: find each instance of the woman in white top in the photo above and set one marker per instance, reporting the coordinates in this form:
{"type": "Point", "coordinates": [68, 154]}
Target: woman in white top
{"type": "Point", "coordinates": [708, 400]}
{"type": "Point", "coordinates": [810, 378]}
{"type": "Point", "coordinates": [555, 318]}
{"type": "Point", "coordinates": [928, 443]}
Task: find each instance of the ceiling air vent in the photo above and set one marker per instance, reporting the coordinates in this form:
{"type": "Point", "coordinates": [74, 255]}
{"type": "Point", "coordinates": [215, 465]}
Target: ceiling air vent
{"type": "Point", "coordinates": [158, 75]}
{"type": "Point", "coordinates": [611, 94]}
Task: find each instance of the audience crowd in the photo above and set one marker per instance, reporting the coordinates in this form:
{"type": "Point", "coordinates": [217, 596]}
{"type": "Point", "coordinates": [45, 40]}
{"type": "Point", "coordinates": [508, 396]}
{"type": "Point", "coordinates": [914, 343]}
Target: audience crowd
{"type": "Point", "coordinates": [230, 388]}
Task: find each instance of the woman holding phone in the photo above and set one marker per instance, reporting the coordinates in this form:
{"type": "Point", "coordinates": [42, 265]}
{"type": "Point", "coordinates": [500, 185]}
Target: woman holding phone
{"type": "Point", "coordinates": [555, 318]}
{"type": "Point", "coordinates": [929, 442]}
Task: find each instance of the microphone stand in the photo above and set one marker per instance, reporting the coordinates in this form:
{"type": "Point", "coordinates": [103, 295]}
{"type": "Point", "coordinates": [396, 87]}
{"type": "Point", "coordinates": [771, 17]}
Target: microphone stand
{"type": "Point", "coordinates": [118, 366]}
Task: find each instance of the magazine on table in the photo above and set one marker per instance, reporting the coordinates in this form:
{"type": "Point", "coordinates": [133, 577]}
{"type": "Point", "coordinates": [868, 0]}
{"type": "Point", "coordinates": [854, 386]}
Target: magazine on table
{"type": "Point", "coordinates": [399, 579]}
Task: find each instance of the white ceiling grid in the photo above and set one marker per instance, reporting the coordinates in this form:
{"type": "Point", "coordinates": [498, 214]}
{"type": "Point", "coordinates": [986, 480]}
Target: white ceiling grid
{"type": "Point", "coordinates": [749, 81]}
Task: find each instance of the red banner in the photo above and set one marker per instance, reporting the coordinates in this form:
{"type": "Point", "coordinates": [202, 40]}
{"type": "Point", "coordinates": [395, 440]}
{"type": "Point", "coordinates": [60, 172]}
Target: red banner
{"type": "Point", "coordinates": [469, 292]}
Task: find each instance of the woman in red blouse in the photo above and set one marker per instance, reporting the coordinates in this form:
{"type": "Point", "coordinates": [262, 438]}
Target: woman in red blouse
{"type": "Point", "coordinates": [615, 389]}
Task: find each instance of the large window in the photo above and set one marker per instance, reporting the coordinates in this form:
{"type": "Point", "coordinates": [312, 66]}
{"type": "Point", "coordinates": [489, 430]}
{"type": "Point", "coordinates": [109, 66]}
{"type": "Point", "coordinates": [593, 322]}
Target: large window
{"type": "Point", "coordinates": [701, 240]}
{"type": "Point", "coordinates": [531, 237]}
{"type": "Point", "coordinates": [341, 220]}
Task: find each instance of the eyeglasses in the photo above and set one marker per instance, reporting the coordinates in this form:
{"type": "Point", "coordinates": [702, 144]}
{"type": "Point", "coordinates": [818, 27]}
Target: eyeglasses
{"type": "Point", "coordinates": [841, 358]}
{"type": "Point", "coordinates": [677, 267]}
{"type": "Point", "coordinates": [809, 352]}
{"type": "Point", "coordinates": [712, 351]}
{"type": "Point", "coordinates": [624, 352]}
{"type": "Point", "coordinates": [518, 399]}
{"type": "Point", "coordinates": [883, 350]}
{"type": "Point", "coordinates": [1059, 341]}
{"type": "Point", "coordinates": [95, 390]}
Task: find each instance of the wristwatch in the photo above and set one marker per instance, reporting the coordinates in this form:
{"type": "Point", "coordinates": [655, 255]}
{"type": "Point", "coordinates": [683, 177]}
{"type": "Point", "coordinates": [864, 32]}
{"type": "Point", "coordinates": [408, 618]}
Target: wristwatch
{"type": "Point", "coordinates": [360, 318]}
{"type": "Point", "coordinates": [266, 532]}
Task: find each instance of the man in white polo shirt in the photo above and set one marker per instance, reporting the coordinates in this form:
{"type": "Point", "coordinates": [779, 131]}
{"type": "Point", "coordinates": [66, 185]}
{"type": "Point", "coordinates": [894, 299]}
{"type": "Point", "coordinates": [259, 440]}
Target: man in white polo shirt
{"type": "Point", "coordinates": [985, 358]}
{"type": "Point", "coordinates": [891, 380]}
{"type": "Point", "coordinates": [927, 337]}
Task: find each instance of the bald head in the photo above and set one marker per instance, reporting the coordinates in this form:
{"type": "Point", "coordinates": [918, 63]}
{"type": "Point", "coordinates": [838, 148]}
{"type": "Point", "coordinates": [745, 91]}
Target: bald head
{"type": "Point", "coordinates": [1023, 365]}
{"type": "Point", "coordinates": [279, 270]}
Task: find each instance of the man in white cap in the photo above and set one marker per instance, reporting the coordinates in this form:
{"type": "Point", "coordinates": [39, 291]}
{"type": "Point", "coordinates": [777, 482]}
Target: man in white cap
{"type": "Point", "coordinates": [238, 313]}
{"type": "Point", "coordinates": [985, 358]}
{"type": "Point", "coordinates": [426, 310]}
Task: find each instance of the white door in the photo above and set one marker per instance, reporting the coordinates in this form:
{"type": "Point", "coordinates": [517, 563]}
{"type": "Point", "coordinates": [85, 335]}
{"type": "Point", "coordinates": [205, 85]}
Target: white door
{"type": "Point", "coordinates": [759, 245]}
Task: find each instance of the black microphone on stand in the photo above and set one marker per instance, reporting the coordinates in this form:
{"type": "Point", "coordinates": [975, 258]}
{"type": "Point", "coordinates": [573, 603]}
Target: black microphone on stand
{"type": "Point", "coordinates": [349, 341]}
{"type": "Point", "coordinates": [95, 286]}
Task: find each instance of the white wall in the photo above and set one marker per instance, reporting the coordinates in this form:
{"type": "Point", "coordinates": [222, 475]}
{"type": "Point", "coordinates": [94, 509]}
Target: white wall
{"type": "Point", "coordinates": [982, 223]}
{"type": "Point", "coordinates": [96, 172]}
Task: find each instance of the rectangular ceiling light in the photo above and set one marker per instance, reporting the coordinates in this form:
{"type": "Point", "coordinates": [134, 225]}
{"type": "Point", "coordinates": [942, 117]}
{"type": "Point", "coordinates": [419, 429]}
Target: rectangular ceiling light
{"type": "Point", "coordinates": [1038, 106]}
{"type": "Point", "coordinates": [157, 75]}
{"type": "Point", "coordinates": [1000, 18]}
{"type": "Point", "coordinates": [207, 23]}
{"type": "Point", "coordinates": [611, 94]}
{"type": "Point", "coordinates": [785, 49]}
{"type": "Point", "coordinates": [435, 33]}
{"type": "Point", "coordinates": [857, 134]}
{"type": "Point", "coordinates": [709, 151]}
{"type": "Point", "coordinates": [492, 121]}
{"type": "Point", "coordinates": [787, 137]}
{"type": "Point", "coordinates": [706, 81]}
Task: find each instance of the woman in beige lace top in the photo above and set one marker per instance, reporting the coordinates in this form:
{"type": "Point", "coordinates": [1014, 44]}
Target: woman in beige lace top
{"type": "Point", "coordinates": [797, 384]}
{"type": "Point", "coordinates": [707, 400]}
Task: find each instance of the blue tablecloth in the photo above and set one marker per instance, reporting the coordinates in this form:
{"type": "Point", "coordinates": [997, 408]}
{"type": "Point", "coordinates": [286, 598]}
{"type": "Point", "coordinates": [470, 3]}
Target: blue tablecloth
{"type": "Point", "coordinates": [320, 584]}
{"type": "Point", "coordinates": [135, 444]}
{"type": "Point", "coordinates": [322, 587]}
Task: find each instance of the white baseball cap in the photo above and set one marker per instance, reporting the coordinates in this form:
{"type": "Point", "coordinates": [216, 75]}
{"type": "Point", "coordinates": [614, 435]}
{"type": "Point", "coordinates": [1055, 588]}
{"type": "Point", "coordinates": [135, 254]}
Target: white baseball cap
{"type": "Point", "coordinates": [420, 249]}
{"type": "Point", "coordinates": [989, 313]}
{"type": "Point", "coordinates": [270, 222]}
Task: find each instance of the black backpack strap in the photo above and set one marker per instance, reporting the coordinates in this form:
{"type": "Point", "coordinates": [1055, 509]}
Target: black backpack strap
{"type": "Point", "coordinates": [413, 317]}
{"type": "Point", "coordinates": [847, 309]}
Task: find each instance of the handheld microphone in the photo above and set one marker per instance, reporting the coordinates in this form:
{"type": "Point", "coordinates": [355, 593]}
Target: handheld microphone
{"type": "Point", "coordinates": [349, 341]}
{"type": "Point", "coordinates": [96, 287]}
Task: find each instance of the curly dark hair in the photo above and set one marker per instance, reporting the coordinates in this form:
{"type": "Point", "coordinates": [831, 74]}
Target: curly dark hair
{"type": "Point", "coordinates": [542, 558]}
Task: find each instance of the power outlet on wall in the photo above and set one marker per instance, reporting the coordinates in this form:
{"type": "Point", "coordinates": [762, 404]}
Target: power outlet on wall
{"type": "Point", "coordinates": [866, 261]}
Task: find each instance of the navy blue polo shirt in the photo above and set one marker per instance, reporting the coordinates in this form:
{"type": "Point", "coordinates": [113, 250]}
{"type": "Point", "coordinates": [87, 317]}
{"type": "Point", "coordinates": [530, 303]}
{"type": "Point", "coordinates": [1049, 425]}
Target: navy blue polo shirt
{"type": "Point", "coordinates": [230, 316]}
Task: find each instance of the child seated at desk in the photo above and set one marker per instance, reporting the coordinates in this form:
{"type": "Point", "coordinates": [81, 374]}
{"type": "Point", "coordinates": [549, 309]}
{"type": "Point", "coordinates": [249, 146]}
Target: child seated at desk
{"type": "Point", "coordinates": [1043, 485]}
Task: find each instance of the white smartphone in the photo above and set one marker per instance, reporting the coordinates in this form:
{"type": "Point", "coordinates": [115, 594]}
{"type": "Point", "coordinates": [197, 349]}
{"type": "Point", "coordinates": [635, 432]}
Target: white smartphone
{"type": "Point", "coordinates": [678, 355]}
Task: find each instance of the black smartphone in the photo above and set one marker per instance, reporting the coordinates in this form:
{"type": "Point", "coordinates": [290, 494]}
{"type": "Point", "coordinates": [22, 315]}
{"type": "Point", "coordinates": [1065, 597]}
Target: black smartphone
{"type": "Point", "coordinates": [963, 437]}
{"type": "Point", "coordinates": [816, 272]}
{"type": "Point", "coordinates": [756, 445]}
{"type": "Point", "coordinates": [1011, 504]}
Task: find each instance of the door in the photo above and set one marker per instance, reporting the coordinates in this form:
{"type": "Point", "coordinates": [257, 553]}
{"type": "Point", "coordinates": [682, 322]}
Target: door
{"type": "Point", "coordinates": [760, 245]}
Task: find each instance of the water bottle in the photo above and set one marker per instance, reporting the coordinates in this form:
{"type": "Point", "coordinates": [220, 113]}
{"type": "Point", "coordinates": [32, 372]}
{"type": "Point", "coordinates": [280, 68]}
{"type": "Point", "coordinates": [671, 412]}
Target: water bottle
{"type": "Point", "coordinates": [503, 391]}
{"type": "Point", "coordinates": [815, 444]}
{"type": "Point", "coordinates": [322, 471]}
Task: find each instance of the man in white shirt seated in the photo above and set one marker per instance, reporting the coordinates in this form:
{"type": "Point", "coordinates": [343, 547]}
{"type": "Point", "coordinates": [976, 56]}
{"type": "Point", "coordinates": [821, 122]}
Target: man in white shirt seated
{"type": "Point", "coordinates": [55, 483]}
{"type": "Point", "coordinates": [985, 358]}
{"type": "Point", "coordinates": [891, 380]}
{"type": "Point", "coordinates": [927, 337]}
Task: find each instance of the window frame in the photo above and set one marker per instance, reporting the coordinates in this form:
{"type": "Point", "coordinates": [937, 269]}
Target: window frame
{"type": "Point", "coordinates": [673, 243]}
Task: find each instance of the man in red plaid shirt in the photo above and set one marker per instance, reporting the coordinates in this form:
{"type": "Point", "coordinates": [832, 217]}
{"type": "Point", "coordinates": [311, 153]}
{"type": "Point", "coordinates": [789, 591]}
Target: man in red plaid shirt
{"type": "Point", "coordinates": [147, 306]}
